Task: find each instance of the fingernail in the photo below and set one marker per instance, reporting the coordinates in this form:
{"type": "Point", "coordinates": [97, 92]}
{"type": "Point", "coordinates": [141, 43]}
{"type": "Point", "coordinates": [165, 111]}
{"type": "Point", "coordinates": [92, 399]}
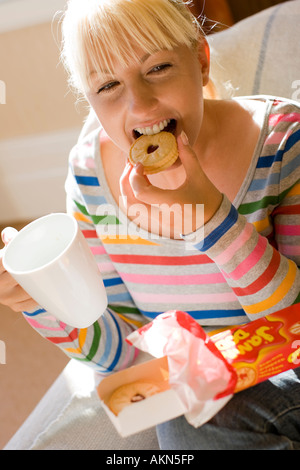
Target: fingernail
{"type": "Point", "coordinates": [138, 166]}
{"type": "Point", "coordinates": [184, 138]}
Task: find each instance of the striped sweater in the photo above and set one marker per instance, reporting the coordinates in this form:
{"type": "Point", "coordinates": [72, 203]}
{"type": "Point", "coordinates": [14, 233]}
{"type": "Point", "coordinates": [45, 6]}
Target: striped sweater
{"type": "Point", "coordinates": [242, 265]}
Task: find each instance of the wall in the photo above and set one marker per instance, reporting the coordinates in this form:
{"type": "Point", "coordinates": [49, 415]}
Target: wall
{"type": "Point", "coordinates": [39, 117]}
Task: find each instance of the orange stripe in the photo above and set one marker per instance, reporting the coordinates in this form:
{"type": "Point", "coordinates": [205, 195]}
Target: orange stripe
{"type": "Point", "coordinates": [81, 340]}
{"type": "Point", "coordinates": [295, 191]}
{"type": "Point", "coordinates": [130, 321]}
{"type": "Point", "coordinates": [125, 239]}
{"type": "Point", "coordinates": [261, 225]}
{"type": "Point", "coordinates": [80, 217]}
{"type": "Point", "coordinates": [278, 295]}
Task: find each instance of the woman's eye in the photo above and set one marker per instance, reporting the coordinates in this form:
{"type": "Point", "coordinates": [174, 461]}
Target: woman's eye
{"type": "Point", "coordinates": [107, 87]}
{"type": "Point", "coordinates": [160, 68]}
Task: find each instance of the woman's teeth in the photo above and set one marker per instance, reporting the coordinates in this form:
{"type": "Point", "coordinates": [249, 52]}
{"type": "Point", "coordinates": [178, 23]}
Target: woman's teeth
{"type": "Point", "coordinates": [154, 129]}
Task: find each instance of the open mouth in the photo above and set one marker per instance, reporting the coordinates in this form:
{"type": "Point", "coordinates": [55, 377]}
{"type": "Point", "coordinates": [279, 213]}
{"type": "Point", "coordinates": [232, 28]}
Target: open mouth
{"type": "Point", "coordinates": [168, 125]}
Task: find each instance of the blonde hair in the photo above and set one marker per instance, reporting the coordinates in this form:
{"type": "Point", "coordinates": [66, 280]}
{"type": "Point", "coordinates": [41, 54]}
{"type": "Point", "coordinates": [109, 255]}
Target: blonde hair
{"type": "Point", "coordinates": [95, 31]}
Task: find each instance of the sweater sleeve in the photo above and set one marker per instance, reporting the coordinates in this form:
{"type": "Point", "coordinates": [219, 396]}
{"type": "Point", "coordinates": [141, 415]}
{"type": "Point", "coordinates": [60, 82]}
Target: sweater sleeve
{"type": "Point", "coordinates": [260, 258]}
{"type": "Point", "coordinates": [101, 345]}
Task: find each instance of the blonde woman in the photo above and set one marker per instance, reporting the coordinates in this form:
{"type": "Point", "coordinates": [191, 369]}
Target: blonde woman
{"type": "Point", "coordinates": [215, 235]}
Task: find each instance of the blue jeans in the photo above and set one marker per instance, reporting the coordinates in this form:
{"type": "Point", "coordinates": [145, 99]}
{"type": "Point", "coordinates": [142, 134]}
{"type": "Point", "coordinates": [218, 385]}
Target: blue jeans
{"type": "Point", "coordinates": [264, 417]}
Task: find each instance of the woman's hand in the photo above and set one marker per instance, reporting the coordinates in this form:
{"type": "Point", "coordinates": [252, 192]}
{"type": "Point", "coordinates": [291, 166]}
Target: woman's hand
{"type": "Point", "coordinates": [11, 293]}
{"type": "Point", "coordinates": [197, 199]}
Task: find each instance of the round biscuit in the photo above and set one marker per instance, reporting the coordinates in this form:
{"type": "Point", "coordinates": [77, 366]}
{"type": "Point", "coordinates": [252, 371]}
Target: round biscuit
{"type": "Point", "coordinates": [165, 152]}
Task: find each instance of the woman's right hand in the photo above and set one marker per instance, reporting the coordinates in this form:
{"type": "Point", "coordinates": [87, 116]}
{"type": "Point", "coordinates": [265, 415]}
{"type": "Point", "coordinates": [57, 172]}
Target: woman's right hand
{"type": "Point", "coordinates": [11, 293]}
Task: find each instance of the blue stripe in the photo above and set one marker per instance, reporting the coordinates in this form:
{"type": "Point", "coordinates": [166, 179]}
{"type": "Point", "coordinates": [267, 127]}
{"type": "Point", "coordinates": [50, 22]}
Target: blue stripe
{"type": "Point", "coordinates": [87, 180]}
{"type": "Point", "coordinates": [262, 183]}
{"type": "Point", "coordinates": [112, 282]}
{"type": "Point", "coordinates": [94, 200]}
{"type": "Point", "coordinates": [108, 343]}
{"type": "Point", "coordinates": [119, 348]}
{"type": "Point", "coordinates": [216, 234]}
{"type": "Point", "coordinates": [37, 312]}
{"type": "Point", "coordinates": [119, 297]}
{"type": "Point", "coordinates": [293, 139]}
{"type": "Point", "coordinates": [267, 161]}
{"type": "Point", "coordinates": [203, 314]}
{"type": "Point", "coordinates": [290, 167]}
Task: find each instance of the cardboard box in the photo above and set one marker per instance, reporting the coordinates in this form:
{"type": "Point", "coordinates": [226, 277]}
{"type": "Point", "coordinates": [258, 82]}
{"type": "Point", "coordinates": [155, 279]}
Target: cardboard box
{"type": "Point", "coordinates": [146, 413]}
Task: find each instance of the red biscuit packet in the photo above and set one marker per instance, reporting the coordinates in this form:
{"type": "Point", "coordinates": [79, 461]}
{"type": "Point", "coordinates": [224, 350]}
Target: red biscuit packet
{"type": "Point", "coordinates": [262, 348]}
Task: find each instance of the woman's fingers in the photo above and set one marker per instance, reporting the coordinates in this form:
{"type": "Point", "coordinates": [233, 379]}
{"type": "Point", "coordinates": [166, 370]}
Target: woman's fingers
{"type": "Point", "coordinates": [187, 156]}
{"type": "Point", "coordinates": [138, 180]}
{"type": "Point", "coordinates": [11, 293]}
{"type": "Point", "coordinates": [144, 191]}
{"type": "Point", "coordinates": [136, 188]}
{"type": "Point", "coordinates": [16, 298]}
{"type": "Point", "coordinates": [8, 234]}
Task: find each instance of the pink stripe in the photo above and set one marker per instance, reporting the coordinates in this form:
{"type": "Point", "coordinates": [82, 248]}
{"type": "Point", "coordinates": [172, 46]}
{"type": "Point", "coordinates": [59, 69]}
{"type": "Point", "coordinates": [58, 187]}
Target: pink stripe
{"type": "Point", "coordinates": [291, 117]}
{"type": "Point", "coordinates": [276, 137]}
{"type": "Point", "coordinates": [289, 250]}
{"type": "Point", "coordinates": [235, 245]}
{"type": "Point", "coordinates": [251, 259]}
{"type": "Point", "coordinates": [90, 162]}
{"type": "Point", "coordinates": [98, 250]}
{"type": "Point", "coordinates": [288, 229]}
{"type": "Point", "coordinates": [106, 267]}
{"type": "Point", "coordinates": [212, 278]}
{"type": "Point", "coordinates": [36, 324]}
{"type": "Point", "coordinates": [128, 358]}
{"type": "Point", "coordinates": [184, 298]}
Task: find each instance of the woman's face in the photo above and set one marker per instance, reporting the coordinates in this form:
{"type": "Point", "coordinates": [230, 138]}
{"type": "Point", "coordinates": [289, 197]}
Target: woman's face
{"type": "Point", "coordinates": [160, 91]}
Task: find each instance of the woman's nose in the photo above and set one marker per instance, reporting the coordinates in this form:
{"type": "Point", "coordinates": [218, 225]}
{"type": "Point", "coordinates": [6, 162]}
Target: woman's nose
{"type": "Point", "coordinates": [141, 98]}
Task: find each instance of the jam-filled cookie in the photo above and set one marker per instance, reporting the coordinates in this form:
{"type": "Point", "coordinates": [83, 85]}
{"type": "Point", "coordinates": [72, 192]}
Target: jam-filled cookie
{"type": "Point", "coordinates": [131, 393]}
{"type": "Point", "coordinates": [156, 152]}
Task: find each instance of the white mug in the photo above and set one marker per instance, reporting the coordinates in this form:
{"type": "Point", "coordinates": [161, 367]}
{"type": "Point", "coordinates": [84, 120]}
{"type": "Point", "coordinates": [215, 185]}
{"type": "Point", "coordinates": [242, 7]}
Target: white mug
{"type": "Point", "coordinates": [52, 261]}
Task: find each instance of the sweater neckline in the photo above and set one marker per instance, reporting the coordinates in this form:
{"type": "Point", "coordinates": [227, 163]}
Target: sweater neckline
{"type": "Point", "coordinates": [157, 239]}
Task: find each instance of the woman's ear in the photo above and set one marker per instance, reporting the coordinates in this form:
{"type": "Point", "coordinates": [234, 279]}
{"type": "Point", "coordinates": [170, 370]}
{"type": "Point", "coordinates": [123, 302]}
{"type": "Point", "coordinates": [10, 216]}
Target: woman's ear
{"type": "Point", "coordinates": [204, 59]}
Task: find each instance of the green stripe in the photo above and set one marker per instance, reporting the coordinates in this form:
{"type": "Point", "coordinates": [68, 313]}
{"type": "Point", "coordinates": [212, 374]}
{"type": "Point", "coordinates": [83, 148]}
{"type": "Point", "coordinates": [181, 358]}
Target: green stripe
{"type": "Point", "coordinates": [124, 309]}
{"type": "Point", "coordinates": [297, 300]}
{"type": "Point", "coordinates": [98, 219]}
{"type": "Point", "coordinates": [250, 207]}
{"type": "Point", "coordinates": [95, 344]}
{"type": "Point", "coordinates": [81, 208]}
